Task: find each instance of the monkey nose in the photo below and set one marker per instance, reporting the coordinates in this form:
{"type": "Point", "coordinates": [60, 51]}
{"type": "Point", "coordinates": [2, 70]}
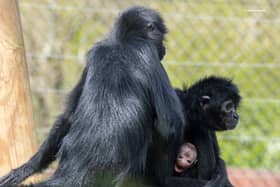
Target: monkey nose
{"type": "Point", "coordinates": [235, 116]}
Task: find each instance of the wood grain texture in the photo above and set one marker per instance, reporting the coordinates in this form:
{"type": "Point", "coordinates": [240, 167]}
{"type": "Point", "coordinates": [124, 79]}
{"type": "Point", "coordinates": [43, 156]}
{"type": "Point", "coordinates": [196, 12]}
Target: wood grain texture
{"type": "Point", "coordinates": [16, 118]}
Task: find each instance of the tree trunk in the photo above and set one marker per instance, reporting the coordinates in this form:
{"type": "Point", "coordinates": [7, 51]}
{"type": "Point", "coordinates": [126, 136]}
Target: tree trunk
{"type": "Point", "coordinates": [17, 140]}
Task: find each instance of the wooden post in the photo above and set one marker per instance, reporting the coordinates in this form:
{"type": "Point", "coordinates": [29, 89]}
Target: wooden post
{"type": "Point", "coordinates": [16, 118]}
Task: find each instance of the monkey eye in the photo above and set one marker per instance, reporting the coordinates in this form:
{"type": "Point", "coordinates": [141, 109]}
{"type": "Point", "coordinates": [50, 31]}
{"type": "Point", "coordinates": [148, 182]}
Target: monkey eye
{"type": "Point", "coordinates": [151, 26]}
{"type": "Point", "coordinates": [228, 106]}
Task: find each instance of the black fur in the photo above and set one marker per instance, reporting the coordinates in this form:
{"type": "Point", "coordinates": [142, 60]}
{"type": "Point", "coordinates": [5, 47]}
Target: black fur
{"type": "Point", "coordinates": [210, 171]}
{"type": "Point", "coordinates": [122, 106]}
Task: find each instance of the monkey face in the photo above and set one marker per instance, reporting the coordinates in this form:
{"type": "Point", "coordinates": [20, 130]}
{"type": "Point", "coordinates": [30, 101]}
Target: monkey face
{"type": "Point", "coordinates": [219, 115]}
{"type": "Point", "coordinates": [187, 157]}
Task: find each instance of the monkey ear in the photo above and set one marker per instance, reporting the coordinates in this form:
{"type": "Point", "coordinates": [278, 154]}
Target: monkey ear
{"type": "Point", "coordinates": [204, 101]}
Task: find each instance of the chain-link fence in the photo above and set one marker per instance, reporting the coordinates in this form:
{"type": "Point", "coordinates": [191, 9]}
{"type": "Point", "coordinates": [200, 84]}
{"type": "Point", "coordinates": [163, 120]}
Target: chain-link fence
{"type": "Point", "coordinates": [237, 39]}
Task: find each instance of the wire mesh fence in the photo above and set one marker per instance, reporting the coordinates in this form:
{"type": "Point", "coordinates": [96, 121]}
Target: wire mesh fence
{"type": "Point", "coordinates": [237, 39]}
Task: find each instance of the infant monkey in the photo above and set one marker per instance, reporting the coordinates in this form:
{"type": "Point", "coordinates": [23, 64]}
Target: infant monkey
{"type": "Point", "coordinates": [186, 157]}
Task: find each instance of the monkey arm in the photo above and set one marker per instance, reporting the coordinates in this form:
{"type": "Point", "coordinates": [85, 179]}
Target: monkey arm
{"type": "Point", "coordinates": [47, 151]}
{"type": "Point", "coordinates": [220, 177]}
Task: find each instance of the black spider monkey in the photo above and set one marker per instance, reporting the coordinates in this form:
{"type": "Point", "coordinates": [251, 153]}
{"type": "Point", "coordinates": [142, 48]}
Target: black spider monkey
{"type": "Point", "coordinates": [122, 105]}
{"type": "Point", "coordinates": [210, 105]}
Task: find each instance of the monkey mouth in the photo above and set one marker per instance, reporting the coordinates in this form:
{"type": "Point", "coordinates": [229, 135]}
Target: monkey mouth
{"type": "Point", "coordinates": [179, 169]}
{"type": "Point", "coordinates": [231, 124]}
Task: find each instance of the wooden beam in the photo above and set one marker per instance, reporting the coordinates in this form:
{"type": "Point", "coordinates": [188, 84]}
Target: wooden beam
{"type": "Point", "coordinates": [17, 140]}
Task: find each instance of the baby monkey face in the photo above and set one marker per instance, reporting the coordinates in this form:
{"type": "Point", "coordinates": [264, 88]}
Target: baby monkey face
{"type": "Point", "coordinates": [186, 157]}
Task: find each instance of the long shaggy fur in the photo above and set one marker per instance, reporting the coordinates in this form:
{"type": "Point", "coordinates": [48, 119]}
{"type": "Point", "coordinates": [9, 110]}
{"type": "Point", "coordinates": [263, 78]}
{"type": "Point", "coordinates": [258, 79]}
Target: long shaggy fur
{"type": "Point", "coordinates": [123, 98]}
{"type": "Point", "coordinates": [210, 171]}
